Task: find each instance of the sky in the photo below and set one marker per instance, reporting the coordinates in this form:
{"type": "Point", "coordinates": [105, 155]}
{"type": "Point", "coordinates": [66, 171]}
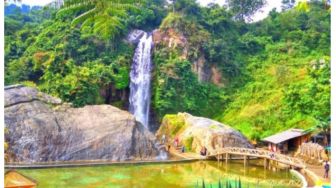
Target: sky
{"type": "Point", "coordinates": [258, 16]}
{"type": "Point", "coordinates": [270, 4]}
{"type": "Point", "coordinates": [36, 2]}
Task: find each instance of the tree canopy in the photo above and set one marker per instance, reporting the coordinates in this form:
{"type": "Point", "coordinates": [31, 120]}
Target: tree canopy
{"type": "Point", "coordinates": [245, 9]}
{"type": "Point", "coordinates": [258, 77]}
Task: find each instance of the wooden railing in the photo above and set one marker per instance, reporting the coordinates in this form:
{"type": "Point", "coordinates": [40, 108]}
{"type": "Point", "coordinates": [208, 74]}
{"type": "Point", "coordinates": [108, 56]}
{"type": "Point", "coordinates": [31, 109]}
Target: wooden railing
{"type": "Point", "coordinates": [260, 153]}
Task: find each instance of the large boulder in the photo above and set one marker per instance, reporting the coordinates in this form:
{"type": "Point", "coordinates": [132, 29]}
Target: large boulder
{"type": "Point", "coordinates": [195, 132]}
{"type": "Point", "coordinates": [40, 128]}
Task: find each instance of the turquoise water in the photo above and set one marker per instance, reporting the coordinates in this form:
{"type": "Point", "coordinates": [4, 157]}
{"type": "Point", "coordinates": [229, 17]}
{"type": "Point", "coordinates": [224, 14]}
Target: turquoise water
{"type": "Point", "coordinates": [188, 174]}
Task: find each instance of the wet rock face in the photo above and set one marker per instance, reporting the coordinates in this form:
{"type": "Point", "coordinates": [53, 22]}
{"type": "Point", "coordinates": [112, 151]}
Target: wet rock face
{"type": "Point", "coordinates": [196, 132]}
{"type": "Point", "coordinates": [134, 36]}
{"type": "Point", "coordinates": [40, 128]}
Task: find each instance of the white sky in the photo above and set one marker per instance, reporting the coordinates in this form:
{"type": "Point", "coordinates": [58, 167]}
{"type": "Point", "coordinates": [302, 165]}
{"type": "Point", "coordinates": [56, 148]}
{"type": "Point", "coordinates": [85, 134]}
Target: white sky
{"type": "Point", "coordinates": [36, 2]}
{"type": "Point", "coordinates": [259, 16]}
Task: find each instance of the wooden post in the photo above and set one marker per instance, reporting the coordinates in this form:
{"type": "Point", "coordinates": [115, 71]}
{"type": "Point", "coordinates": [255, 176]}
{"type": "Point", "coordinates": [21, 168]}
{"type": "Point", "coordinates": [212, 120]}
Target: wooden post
{"type": "Point", "coordinates": [277, 166]}
{"type": "Point", "coordinates": [265, 163]}
{"type": "Point", "coordinates": [226, 158]}
{"type": "Point", "coordinates": [244, 161]}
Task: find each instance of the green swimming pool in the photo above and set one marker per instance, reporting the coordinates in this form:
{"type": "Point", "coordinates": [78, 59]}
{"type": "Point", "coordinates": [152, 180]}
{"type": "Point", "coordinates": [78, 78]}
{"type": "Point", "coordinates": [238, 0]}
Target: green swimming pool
{"type": "Point", "coordinates": [172, 175]}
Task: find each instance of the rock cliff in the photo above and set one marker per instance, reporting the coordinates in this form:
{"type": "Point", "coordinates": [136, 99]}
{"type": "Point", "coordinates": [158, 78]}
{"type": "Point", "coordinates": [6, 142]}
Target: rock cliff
{"type": "Point", "coordinates": [134, 36]}
{"type": "Point", "coordinates": [172, 39]}
{"type": "Point", "coordinates": [195, 132]}
{"type": "Point", "coordinates": [41, 128]}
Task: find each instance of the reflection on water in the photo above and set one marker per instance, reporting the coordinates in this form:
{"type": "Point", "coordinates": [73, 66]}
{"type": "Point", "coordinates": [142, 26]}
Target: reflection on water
{"type": "Point", "coordinates": [187, 174]}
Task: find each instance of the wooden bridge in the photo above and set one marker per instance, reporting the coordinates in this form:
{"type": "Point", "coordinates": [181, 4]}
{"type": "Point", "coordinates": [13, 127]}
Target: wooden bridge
{"type": "Point", "coordinates": [227, 152]}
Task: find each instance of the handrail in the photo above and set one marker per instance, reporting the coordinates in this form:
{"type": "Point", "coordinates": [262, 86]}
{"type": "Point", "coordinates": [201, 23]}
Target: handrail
{"type": "Point", "coordinates": [260, 153]}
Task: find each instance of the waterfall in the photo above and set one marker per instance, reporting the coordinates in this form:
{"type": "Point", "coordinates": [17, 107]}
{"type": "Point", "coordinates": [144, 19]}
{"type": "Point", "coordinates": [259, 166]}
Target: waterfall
{"type": "Point", "coordinates": [140, 80]}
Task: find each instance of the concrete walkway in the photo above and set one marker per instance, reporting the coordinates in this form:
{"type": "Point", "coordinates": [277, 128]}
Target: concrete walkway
{"type": "Point", "coordinates": [88, 163]}
{"type": "Point", "coordinates": [318, 170]}
{"type": "Point", "coordinates": [185, 155]}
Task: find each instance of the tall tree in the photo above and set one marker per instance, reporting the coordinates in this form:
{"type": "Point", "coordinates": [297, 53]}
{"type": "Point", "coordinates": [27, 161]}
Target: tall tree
{"type": "Point", "coordinates": [324, 128]}
{"type": "Point", "coordinates": [245, 9]}
{"type": "Point", "coordinates": [106, 17]}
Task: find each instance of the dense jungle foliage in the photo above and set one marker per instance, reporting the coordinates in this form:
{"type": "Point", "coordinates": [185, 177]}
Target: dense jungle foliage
{"type": "Point", "coordinates": [270, 75]}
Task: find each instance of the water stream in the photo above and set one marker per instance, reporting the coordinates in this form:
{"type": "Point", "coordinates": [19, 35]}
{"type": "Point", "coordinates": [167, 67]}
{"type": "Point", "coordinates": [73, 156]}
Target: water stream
{"type": "Point", "coordinates": [141, 79]}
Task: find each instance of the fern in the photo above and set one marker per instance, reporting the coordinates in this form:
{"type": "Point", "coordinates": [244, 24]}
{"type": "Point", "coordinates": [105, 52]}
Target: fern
{"type": "Point", "coordinates": [106, 17]}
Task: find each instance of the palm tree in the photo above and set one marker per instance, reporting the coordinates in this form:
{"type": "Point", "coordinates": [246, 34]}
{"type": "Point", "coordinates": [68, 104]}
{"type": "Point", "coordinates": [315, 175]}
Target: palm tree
{"type": "Point", "coordinates": [105, 17]}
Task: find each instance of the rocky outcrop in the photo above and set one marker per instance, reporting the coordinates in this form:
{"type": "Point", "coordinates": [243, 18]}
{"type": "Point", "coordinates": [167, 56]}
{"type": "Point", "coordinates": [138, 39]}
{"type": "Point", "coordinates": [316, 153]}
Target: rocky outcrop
{"type": "Point", "coordinates": [172, 39]}
{"type": "Point", "coordinates": [134, 36]}
{"type": "Point", "coordinates": [200, 68]}
{"type": "Point", "coordinates": [216, 76]}
{"type": "Point", "coordinates": [40, 128]}
{"type": "Point", "coordinates": [196, 132]}
{"type": "Point", "coordinates": [17, 94]}
{"type": "Point", "coordinates": [312, 153]}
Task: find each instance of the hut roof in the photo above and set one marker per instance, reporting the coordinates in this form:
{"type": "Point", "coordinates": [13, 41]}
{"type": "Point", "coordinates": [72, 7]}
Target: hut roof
{"type": "Point", "coordinates": [15, 179]}
{"type": "Point", "coordinates": [284, 136]}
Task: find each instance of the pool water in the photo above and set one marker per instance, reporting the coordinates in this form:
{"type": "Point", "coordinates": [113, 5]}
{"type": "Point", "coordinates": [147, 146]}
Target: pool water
{"type": "Point", "coordinates": [163, 175]}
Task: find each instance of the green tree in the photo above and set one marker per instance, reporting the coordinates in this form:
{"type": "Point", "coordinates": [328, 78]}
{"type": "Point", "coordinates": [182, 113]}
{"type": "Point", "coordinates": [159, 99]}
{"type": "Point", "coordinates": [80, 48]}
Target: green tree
{"type": "Point", "coordinates": [245, 9]}
{"type": "Point", "coordinates": [188, 7]}
{"type": "Point", "coordinates": [324, 128]}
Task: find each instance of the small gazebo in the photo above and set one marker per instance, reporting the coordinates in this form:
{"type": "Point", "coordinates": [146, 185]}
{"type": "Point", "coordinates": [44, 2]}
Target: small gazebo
{"type": "Point", "coordinates": [14, 179]}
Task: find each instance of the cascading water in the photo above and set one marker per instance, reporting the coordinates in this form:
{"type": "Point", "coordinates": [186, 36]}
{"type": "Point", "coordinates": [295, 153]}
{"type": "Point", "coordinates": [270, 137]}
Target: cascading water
{"type": "Point", "coordinates": [140, 80]}
{"type": "Point", "coordinates": [140, 86]}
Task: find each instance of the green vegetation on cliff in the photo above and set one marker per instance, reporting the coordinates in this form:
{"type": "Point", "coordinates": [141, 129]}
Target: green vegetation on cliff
{"type": "Point", "coordinates": [289, 68]}
{"type": "Point", "coordinates": [74, 63]}
{"type": "Point", "coordinates": [274, 74]}
{"type": "Point", "coordinates": [177, 89]}
{"type": "Point", "coordinates": [260, 77]}
{"type": "Point", "coordinates": [66, 63]}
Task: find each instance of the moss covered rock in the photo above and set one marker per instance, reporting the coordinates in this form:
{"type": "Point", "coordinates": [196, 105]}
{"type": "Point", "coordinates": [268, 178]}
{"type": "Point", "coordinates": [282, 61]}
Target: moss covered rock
{"type": "Point", "coordinates": [195, 132]}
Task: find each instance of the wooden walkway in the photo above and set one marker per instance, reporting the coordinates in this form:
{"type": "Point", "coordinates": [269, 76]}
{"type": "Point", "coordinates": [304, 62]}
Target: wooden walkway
{"type": "Point", "coordinates": [227, 152]}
